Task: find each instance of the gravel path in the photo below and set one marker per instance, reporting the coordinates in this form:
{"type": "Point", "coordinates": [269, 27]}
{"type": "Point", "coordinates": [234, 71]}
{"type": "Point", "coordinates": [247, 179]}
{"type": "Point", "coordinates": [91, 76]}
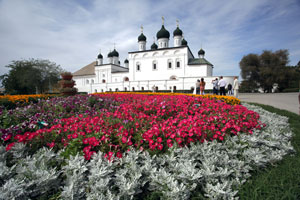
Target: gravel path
{"type": "Point", "coordinates": [285, 101]}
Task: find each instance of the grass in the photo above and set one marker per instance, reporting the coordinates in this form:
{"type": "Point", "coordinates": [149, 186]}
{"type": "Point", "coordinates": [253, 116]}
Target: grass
{"type": "Point", "coordinates": [283, 180]}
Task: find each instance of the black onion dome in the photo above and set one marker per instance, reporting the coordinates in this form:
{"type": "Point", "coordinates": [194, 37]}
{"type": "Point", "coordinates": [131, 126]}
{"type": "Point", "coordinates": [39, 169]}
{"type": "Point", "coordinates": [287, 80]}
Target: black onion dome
{"type": "Point", "coordinates": [126, 61]}
{"type": "Point", "coordinates": [201, 52]}
{"type": "Point", "coordinates": [154, 46]}
{"type": "Point", "coordinates": [114, 53]}
{"type": "Point", "coordinates": [177, 32]}
{"type": "Point", "coordinates": [109, 55]}
{"type": "Point", "coordinates": [184, 42]}
{"type": "Point", "coordinates": [163, 33]}
{"type": "Point", "coordinates": [100, 56]}
{"type": "Point", "coordinates": [142, 37]}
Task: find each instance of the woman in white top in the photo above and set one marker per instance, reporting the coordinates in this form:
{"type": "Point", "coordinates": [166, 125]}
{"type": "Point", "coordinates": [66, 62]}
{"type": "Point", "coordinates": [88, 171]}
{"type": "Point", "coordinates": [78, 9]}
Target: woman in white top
{"type": "Point", "coordinates": [236, 87]}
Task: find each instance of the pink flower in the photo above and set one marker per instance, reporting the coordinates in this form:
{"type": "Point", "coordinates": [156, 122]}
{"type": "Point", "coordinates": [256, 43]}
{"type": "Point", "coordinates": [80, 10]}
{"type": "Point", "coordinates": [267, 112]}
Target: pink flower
{"type": "Point", "coordinates": [51, 145]}
{"type": "Point", "coordinates": [9, 146]}
{"type": "Point", "coordinates": [124, 139]}
{"type": "Point", "coordinates": [159, 139]}
{"type": "Point", "coordinates": [74, 135]}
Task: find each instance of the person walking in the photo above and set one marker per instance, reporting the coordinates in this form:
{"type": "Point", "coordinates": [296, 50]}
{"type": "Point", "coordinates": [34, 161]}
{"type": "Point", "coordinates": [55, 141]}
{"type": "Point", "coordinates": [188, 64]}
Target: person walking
{"type": "Point", "coordinates": [215, 86]}
{"type": "Point", "coordinates": [202, 86]}
{"type": "Point", "coordinates": [229, 87]}
{"type": "Point", "coordinates": [222, 83]}
{"type": "Point", "coordinates": [198, 87]}
{"type": "Point", "coordinates": [236, 87]}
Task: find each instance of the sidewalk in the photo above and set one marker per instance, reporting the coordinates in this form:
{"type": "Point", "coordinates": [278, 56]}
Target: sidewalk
{"type": "Point", "coordinates": [285, 101]}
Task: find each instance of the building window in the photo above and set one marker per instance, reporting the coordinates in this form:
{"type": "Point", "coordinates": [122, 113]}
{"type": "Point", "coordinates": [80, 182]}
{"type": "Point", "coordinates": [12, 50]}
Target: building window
{"type": "Point", "coordinates": [125, 88]}
{"type": "Point", "coordinates": [103, 80]}
{"type": "Point", "coordinates": [116, 80]}
{"type": "Point", "coordinates": [110, 89]}
{"type": "Point", "coordinates": [132, 88]}
{"type": "Point", "coordinates": [92, 81]}
{"type": "Point", "coordinates": [178, 64]}
{"type": "Point", "coordinates": [117, 89]}
{"type": "Point", "coordinates": [95, 91]}
{"type": "Point", "coordinates": [126, 79]}
{"type": "Point", "coordinates": [103, 75]}
{"type": "Point", "coordinates": [87, 82]}
{"type": "Point", "coordinates": [101, 90]}
{"type": "Point", "coordinates": [154, 65]}
{"type": "Point", "coordinates": [143, 89]}
{"type": "Point", "coordinates": [138, 67]}
{"type": "Point", "coordinates": [170, 65]}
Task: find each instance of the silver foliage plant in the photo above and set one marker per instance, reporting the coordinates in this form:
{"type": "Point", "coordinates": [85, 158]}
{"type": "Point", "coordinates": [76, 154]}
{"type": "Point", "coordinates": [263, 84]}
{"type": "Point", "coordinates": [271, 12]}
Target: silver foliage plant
{"type": "Point", "coordinates": [215, 169]}
{"type": "Point", "coordinates": [34, 176]}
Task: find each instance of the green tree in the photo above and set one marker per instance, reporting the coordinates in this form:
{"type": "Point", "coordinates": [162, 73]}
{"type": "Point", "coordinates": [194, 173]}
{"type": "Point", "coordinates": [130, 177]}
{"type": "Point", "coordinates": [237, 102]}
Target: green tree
{"type": "Point", "coordinates": [30, 76]}
{"type": "Point", "coordinates": [267, 69]}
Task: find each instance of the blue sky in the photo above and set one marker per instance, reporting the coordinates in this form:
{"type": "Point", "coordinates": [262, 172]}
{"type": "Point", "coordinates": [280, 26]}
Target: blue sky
{"type": "Point", "coordinates": [71, 33]}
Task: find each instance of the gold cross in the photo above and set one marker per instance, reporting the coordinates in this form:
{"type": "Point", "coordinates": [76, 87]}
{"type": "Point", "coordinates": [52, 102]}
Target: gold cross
{"type": "Point", "coordinates": [142, 28]}
{"type": "Point", "coordinates": [163, 20]}
{"type": "Point", "coordinates": [177, 22]}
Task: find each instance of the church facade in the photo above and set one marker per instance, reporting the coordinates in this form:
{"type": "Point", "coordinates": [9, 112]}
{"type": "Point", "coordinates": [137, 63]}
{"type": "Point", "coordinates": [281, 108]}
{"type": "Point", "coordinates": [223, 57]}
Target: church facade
{"type": "Point", "coordinates": [159, 68]}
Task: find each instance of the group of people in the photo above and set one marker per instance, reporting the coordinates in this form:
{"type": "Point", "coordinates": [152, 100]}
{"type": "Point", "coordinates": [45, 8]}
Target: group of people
{"type": "Point", "coordinates": [219, 86]}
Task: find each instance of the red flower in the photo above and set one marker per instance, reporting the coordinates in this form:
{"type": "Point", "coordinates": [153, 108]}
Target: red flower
{"type": "Point", "coordinates": [51, 145]}
{"type": "Point", "coordinates": [9, 146]}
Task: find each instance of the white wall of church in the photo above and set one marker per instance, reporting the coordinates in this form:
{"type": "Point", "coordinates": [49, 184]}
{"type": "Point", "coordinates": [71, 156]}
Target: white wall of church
{"type": "Point", "coordinates": [180, 84]}
{"type": "Point", "coordinates": [158, 65]}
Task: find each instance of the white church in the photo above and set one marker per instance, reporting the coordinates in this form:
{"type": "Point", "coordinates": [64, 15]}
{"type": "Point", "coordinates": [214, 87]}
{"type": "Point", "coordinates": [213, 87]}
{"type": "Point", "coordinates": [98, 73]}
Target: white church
{"type": "Point", "coordinates": [161, 67]}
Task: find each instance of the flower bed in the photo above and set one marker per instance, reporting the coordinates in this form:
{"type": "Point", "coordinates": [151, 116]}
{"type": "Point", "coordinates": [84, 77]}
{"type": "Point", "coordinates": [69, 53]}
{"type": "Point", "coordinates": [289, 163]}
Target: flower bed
{"type": "Point", "coordinates": [213, 170]}
{"type": "Point", "coordinates": [13, 101]}
{"type": "Point", "coordinates": [146, 122]}
{"type": "Point", "coordinates": [228, 99]}
{"type": "Point", "coordinates": [47, 112]}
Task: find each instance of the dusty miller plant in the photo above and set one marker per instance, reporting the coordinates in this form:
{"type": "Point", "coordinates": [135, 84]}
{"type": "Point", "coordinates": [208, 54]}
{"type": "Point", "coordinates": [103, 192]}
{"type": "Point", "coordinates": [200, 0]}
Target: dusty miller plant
{"type": "Point", "coordinates": [36, 176]}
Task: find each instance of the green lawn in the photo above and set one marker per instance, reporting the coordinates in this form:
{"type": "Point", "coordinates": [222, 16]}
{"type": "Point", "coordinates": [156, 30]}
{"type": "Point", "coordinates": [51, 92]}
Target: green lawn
{"type": "Point", "coordinates": [283, 180]}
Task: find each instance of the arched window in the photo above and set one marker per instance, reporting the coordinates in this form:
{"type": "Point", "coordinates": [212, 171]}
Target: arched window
{"type": "Point", "coordinates": [154, 65]}
{"type": "Point", "coordinates": [87, 81]}
{"type": "Point", "coordinates": [174, 88]}
{"type": "Point", "coordinates": [103, 80]}
{"type": "Point", "coordinates": [178, 63]}
{"type": "Point", "coordinates": [92, 81]}
{"type": "Point", "coordinates": [143, 89]}
{"type": "Point", "coordinates": [110, 89]}
{"type": "Point", "coordinates": [156, 88]}
{"type": "Point", "coordinates": [116, 89]}
{"type": "Point", "coordinates": [95, 91]}
{"type": "Point", "coordinates": [126, 79]}
{"type": "Point", "coordinates": [138, 66]}
{"type": "Point", "coordinates": [132, 88]}
{"type": "Point", "coordinates": [125, 88]}
{"type": "Point", "coordinates": [170, 64]}
{"type": "Point", "coordinates": [102, 90]}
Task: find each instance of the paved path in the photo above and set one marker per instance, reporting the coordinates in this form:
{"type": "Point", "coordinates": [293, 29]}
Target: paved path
{"type": "Point", "coordinates": [285, 101]}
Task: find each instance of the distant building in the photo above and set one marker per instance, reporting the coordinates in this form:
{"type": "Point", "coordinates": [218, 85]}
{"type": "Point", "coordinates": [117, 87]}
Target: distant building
{"type": "Point", "coordinates": [161, 66]}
